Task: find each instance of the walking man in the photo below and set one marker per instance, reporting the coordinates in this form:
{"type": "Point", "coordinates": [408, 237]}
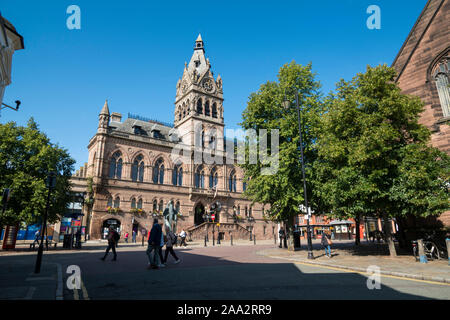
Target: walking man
{"type": "Point", "coordinates": [113, 237]}
{"type": "Point", "coordinates": [171, 240]}
{"type": "Point", "coordinates": [133, 237]}
{"type": "Point", "coordinates": [36, 238]}
{"type": "Point", "coordinates": [126, 237]}
{"type": "Point", "coordinates": [281, 235]}
{"type": "Point", "coordinates": [326, 243]}
{"type": "Point", "coordinates": [183, 238]}
{"type": "Point", "coordinates": [154, 241]}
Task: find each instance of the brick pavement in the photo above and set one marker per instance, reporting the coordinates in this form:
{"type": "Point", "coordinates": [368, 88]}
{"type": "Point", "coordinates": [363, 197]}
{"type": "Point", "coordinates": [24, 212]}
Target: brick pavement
{"type": "Point", "coordinates": [346, 256]}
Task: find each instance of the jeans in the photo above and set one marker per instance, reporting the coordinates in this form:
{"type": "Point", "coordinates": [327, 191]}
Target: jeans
{"type": "Point", "coordinates": [153, 259]}
{"type": "Point", "coordinates": [111, 246]}
{"type": "Point", "coordinates": [329, 251]}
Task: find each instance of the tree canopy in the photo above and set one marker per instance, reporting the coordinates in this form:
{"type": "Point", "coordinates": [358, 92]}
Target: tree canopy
{"type": "Point", "coordinates": [26, 158]}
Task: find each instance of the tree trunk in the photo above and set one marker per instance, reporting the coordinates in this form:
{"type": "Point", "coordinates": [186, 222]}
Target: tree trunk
{"type": "Point", "coordinates": [357, 233]}
{"type": "Point", "coordinates": [388, 235]}
{"type": "Point", "coordinates": [290, 233]}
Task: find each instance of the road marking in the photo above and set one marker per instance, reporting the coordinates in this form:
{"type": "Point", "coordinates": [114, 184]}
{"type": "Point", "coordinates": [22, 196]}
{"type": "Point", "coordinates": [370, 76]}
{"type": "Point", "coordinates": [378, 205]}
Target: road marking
{"type": "Point", "coordinates": [85, 293]}
{"type": "Point", "coordinates": [39, 278]}
{"type": "Point", "coordinates": [30, 293]}
{"type": "Point", "coordinates": [59, 287]}
{"type": "Point", "coordinates": [365, 273]}
{"type": "Point", "coordinates": [75, 294]}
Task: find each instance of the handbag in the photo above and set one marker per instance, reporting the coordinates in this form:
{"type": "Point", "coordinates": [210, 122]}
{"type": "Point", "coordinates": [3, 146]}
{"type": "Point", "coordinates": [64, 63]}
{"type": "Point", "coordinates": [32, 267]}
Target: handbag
{"type": "Point", "coordinates": [329, 241]}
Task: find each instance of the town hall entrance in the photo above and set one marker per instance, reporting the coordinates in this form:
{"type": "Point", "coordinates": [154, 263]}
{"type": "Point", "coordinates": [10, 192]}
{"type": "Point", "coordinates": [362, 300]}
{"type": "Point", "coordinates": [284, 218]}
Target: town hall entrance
{"type": "Point", "coordinates": [199, 212]}
{"type": "Point", "coordinates": [114, 223]}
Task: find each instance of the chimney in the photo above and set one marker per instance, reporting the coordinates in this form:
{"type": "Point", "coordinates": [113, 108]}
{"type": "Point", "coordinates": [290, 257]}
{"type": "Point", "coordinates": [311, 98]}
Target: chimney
{"type": "Point", "coordinates": [116, 117]}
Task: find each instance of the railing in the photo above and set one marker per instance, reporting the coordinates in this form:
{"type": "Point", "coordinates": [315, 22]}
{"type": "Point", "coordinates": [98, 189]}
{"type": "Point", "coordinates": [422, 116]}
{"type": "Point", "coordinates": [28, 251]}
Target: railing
{"type": "Point", "coordinates": [199, 232]}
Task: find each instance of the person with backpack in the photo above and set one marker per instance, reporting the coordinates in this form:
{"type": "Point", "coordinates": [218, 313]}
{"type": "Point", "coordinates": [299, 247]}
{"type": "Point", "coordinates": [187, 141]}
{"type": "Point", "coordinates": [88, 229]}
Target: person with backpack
{"type": "Point", "coordinates": [126, 237]}
{"type": "Point", "coordinates": [326, 243]}
{"type": "Point", "coordinates": [113, 238]}
{"type": "Point", "coordinates": [170, 241]}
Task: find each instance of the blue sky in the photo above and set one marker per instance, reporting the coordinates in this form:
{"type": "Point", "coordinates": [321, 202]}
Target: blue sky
{"type": "Point", "coordinates": [133, 52]}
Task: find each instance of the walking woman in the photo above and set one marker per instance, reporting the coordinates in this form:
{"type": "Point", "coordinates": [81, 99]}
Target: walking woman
{"type": "Point", "coordinates": [326, 242]}
{"type": "Point", "coordinates": [171, 240]}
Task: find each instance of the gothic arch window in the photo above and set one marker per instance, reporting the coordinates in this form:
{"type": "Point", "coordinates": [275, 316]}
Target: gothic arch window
{"type": "Point", "coordinates": [200, 178]}
{"type": "Point", "coordinates": [441, 76]}
{"type": "Point", "coordinates": [117, 202]}
{"type": "Point", "coordinates": [161, 206]}
{"type": "Point", "coordinates": [239, 209]}
{"type": "Point", "coordinates": [137, 170]}
{"type": "Point", "coordinates": [199, 106]}
{"type": "Point", "coordinates": [109, 202]}
{"type": "Point", "coordinates": [213, 178]}
{"type": "Point", "coordinates": [214, 110]}
{"type": "Point", "coordinates": [246, 211]}
{"type": "Point", "coordinates": [158, 172]}
{"type": "Point", "coordinates": [207, 108]}
{"type": "Point", "coordinates": [250, 211]}
{"type": "Point", "coordinates": [177, 175]}
{"type": "Point", "coordinates": [177, 206]}
{"type": "Point", "coordinates": [155, 205]}
{"type": "Point", "coordinates": [139, 204]}
{"type": "Point", "coordinates": [133, 203]}
{"type": "Point", "coordinates": [232, 181]}
{"type": "Point", "coordinates": [115, 166]}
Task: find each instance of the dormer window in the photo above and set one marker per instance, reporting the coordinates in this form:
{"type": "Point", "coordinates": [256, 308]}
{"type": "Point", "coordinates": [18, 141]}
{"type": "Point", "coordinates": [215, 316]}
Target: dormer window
{"type": "Point", "coordinates": [197, 62]}
{"type": "Point", "coordinates": [157, 134]}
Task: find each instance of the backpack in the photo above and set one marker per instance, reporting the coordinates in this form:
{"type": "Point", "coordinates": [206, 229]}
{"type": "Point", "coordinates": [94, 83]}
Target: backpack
{"type": "Point", "coordinates": [175, 238]}
{"type": "Point", "coordinates": [116, 236]}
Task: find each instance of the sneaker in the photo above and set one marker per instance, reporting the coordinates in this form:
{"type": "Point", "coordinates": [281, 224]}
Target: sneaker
{"type": "Point", "coordinates": [162, 265]}
{"type": "Point", "coordinates": [177, 261]}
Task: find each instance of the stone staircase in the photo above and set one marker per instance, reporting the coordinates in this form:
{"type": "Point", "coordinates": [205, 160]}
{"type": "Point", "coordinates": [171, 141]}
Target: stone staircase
{"type": "Point", "coordinates": [226, 229]}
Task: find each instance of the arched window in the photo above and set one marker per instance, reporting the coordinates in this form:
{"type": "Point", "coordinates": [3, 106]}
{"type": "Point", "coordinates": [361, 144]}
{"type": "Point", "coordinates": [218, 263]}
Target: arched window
{"type": "Point", "coordinates": [137, 170]}
{"type": "Point", "coordinates": [177, 175]}
{"type": "Point", "coordinates": [207, 108]}
{"type": "Point", "coordinates": [133, 203]}
{"type": "Point", "coordinates": [161, 206]}
{"type": "Point", "coordinates": [250, 212]}
{"type": "Point", "coordinates": [246, 211]}
{"type": "Point", "coordinates": [199, 106]}
{"type": "Point", "coordinates": [213, 178]}
{"type": "Point", "coordinates": [200, 178]}
{"type": "Point", "coordinates": [139, 204]}
{"type": "Point", "coordinates": [232, 182]}
{"type": "Point", "coordinates": [115, 166]}
{"type": "Point", "coordinates": [155, 205]}
{"type": "Point", "coordinates": [214, 110]}
{"type": "Point", "coordinates": [239, 210]}
{"type": "Point", "coordinates": [117, 202]}
{"type": "Point", "coordinates": [158, 172]}
{"type": "Point", "coordinates": [244, 185]}
{"type": "Point", "coordinates": [441, 75]}
{"type": "Point", "coordinates": [177, 206]}
{"type": "Point", "coordinates": [109, 202]}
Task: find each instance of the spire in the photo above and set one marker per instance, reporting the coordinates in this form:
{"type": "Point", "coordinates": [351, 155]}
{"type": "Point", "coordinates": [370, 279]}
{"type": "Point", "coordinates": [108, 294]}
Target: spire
{"type": "Point", "coordinates": [199, 43]}
{"type": "Point", "coordinates": [105, 109]}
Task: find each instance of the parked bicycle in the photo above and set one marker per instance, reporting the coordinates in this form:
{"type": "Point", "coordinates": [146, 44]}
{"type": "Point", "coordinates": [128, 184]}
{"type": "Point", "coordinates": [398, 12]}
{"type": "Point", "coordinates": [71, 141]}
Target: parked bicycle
{"type": "Point", "coordinates": [431, 250]}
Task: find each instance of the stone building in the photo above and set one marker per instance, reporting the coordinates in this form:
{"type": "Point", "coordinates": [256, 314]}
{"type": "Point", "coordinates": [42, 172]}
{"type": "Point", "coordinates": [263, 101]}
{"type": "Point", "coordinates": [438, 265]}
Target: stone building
{"type": "Point", "coordinates": [423, 67]}
{"type": "Point", "coordinates": [134, 174]}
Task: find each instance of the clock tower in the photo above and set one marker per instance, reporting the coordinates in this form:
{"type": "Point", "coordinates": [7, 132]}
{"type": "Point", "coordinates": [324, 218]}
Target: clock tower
{"type": "Point", "coordinates": [199, 103]}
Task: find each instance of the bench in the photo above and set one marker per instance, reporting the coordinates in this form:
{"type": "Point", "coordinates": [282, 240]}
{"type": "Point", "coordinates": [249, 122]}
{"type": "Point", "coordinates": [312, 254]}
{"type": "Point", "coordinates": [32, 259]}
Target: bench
{"type": "Point", "coordinates": [46, 244]}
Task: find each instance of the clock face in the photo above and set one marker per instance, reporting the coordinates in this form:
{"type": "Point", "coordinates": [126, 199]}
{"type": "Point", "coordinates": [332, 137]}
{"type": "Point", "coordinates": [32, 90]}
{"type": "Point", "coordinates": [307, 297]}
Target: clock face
{"type": "Point", "coordinates": [208, 85]}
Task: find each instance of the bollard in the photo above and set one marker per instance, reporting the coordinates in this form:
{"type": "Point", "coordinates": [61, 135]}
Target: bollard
{"type": "Point", "coordinates": [447, 241]}
{"type": "Point", "coordinates": [218, 238]}
{"type": "Point", "coordinates": [213, 239]}
{"type": "Point", "coordinates": [254, 240]}
{"type": "Point", "coordinates": [205, 241]}
{"type": "Point", "coordinates": [422, 256]}
{"type": "Point", "coordinates": [231, 237]}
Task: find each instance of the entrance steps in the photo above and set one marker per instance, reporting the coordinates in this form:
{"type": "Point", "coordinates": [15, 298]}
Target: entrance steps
{"type": "Point", "coordinates": [211, 229]}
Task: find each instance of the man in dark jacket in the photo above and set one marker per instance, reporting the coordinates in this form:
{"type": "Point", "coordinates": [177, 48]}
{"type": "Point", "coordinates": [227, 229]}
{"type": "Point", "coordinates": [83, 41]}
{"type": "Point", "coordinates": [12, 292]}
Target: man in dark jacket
{"type": "Point", "coordinates": [326, 242]}
{"type": "Point", "coordinates": [154, 243]}
{"type": "Point", "coordinates": [112, 242]}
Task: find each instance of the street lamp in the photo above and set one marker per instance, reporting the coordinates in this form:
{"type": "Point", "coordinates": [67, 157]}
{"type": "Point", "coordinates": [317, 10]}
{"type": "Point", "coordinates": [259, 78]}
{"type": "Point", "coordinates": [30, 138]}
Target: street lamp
{"type": "Point", "coordinates": [286, 105]}
{"type": "Point", "coordinates": [51, 184]}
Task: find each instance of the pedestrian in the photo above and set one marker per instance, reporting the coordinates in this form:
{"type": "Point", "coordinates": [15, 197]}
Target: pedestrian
{"type": "Point", "coordinates": [113, 238]}
{"type": "Point", "coordinates": [183, 237]}
{"type": "Point", "coordinates": [36, 238]}
{"type": "Point", "coordinates": [171, 240]}
{"type": "Point", "coordinates": [281, 235]}
{"type": "Point", "coordinates": [161, 245]}
{"type": "Point", "coordinates": [126, 237]}
{"type": "Point", "coordinates": [154, 241]}
{"type": "Point", "coordinates": [326, 243]}
{"type": "Point", "coordinates": [133, 237]}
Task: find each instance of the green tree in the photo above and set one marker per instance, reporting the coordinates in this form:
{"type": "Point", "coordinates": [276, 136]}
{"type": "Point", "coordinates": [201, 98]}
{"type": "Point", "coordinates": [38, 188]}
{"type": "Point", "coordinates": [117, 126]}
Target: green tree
{"type": "Point", "coordinates": [284, 189]}
{"type": "Point", "coordinates": [26, 157]}
{"type": "Point", "coordinates": [374, 157]}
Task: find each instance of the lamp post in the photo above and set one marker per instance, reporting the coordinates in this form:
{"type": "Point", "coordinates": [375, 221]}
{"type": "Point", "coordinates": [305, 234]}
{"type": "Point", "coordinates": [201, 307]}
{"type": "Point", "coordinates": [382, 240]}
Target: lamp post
{"type": "Point", "coordinates": [50, 183]}
{"type": "Point", "coordinates": [286, 104]}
